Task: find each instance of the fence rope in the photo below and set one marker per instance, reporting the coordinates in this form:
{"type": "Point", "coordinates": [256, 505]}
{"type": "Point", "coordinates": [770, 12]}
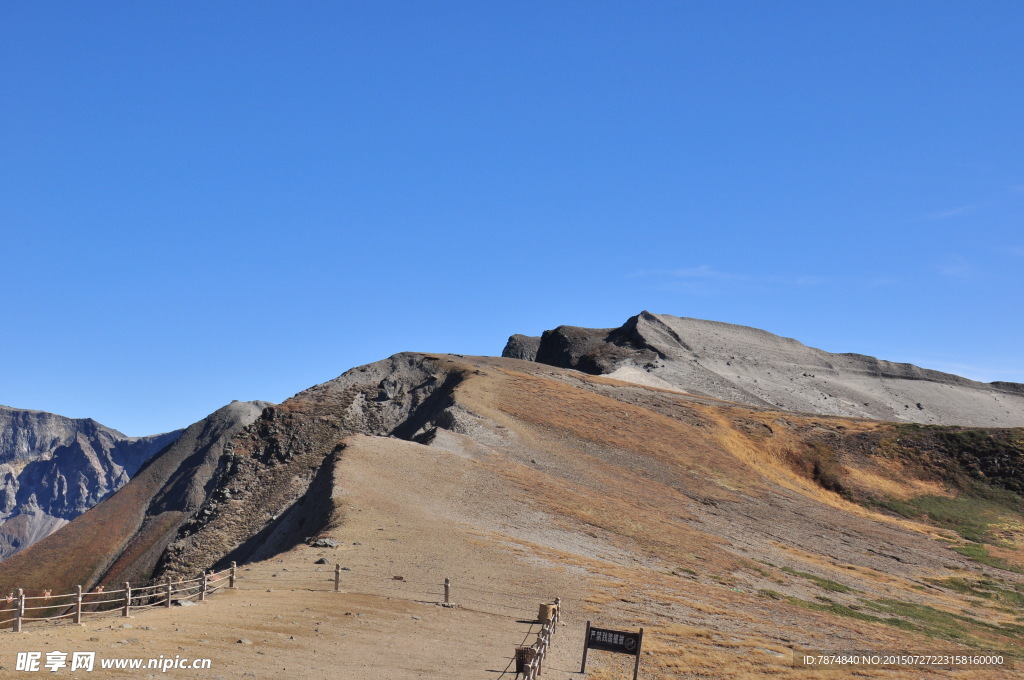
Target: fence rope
{"type": "Point", "coordinates": [49, 597]}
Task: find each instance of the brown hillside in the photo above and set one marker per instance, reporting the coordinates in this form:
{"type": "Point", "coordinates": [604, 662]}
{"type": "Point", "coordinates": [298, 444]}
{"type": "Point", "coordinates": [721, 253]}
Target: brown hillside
{"type": "Point", "coordinates": [732, 534]}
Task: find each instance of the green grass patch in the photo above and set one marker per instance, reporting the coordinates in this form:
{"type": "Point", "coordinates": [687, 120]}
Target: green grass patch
{"type": "Point", "coordinates": [946, 625]}
{"type": "Point", "coordinates": [982, 588]}
{"type": "Point", "coordinates": [771, 594]}
{"type": "Point", "coordinates": [826, 584]}
{"type": "Point", "coordinates": [849, 612]}
{"type": "Point", "coordinates": [979, 553]}
{"type": "Point", "coordinates": [758, 570]}
{"type": "Point", "coordinates": [969, 517]}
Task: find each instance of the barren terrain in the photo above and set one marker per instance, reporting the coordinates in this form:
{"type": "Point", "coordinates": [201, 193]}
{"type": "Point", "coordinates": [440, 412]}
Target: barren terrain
{"type": "Point", "coordinates": [733, 534]}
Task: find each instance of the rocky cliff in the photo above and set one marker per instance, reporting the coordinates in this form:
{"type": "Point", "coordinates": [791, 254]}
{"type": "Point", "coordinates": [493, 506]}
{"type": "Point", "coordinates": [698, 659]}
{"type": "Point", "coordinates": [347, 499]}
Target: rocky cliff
{"type": "Point", "coordinates": [751, 366]}
{"type": "Point", "coordinates": [124, 536]}
{"type": "Point", "coordinates": [55, 468]}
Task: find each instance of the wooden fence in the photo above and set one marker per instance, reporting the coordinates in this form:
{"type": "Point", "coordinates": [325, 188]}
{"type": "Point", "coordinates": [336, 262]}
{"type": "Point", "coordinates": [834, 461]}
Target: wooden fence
{"type": "Point", "coordinates": [530, 660]}
{"type": "Point", "coordinates": [21, 608]}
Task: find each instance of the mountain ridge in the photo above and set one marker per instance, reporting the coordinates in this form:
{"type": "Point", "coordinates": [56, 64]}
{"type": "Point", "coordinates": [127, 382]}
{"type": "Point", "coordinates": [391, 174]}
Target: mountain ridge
{"type": "Point", "coordinates": [54, 468]}
{"type": "Point", "coordinates": [753, 366]}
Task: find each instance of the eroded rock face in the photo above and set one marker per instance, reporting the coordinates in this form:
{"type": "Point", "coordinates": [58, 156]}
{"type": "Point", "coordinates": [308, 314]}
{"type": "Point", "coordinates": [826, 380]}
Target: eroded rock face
{"type": "Point", "coordinates": [751, 366]}
{"type": "Point", "coordinates": [521, 347]}
{"type": "Point", "coordinates": [274, 486]}
{"type": "Point", "coordinates": [55, 468]}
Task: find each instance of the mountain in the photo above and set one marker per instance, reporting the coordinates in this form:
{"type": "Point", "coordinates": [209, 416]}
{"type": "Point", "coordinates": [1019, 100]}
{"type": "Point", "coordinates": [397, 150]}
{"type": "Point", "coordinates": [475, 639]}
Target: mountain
{"type": "Point", "coordinates": [751, 366]}
{"type": "Point", "coordinates": [735, 533]}
{"type": "Point", "coordinates": [124, 536]}
{"type": "Point", "coordinates": [702, 520]}
{"type": "Point", "coordinates": [55, 468]}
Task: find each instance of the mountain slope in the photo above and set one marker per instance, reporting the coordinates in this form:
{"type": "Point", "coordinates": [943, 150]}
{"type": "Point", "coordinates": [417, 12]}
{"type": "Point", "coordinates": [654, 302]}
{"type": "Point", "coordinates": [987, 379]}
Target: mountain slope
{"type": "Point", "coordinates": [751, 366]}
{"type": "Point", "coordinates": [123, 536]}
{"type": "Point", "coordinates": [734, 534]}
{"type": "Point", "coordinates": [55, 468]}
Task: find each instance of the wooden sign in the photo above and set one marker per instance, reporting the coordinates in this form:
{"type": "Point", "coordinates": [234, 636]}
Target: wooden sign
{"type": "Point", "coordinates": [608, 640]}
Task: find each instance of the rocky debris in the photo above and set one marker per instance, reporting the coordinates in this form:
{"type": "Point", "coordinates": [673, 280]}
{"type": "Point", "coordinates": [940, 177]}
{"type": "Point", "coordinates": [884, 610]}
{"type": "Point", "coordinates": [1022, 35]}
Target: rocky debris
{"type": "Point", "coordinates": [325, 543]}
{"type": "Point", "coordinates": [751, 366]}
{"type": "Point", "coordinates": [55, 468]}
{"type": "Point", "coordinates": [279, 471]}
{"type": "Point", "coordinates": [322, 560]}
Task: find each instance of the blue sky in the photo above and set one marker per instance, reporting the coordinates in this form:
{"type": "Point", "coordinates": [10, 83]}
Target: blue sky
{"type": "Point", "coordinates": [202, 202]}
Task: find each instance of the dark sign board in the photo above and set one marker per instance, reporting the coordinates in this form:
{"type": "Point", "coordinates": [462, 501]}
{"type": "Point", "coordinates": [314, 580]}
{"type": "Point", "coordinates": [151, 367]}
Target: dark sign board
{"type": "Point", "coordinates": [620, 641]}
{"type": "Point", "coordinates": [608, 640]}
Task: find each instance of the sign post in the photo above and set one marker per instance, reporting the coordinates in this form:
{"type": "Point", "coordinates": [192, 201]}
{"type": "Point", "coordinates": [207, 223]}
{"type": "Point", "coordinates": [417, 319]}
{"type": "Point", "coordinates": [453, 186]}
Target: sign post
{"type": "Point", "coordinates": [618, 641]}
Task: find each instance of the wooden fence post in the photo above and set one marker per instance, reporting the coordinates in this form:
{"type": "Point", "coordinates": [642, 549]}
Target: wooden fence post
{"type": "Point", "coordinates": [126, 610]}
{"type": "Point", "coordinates": [206, 585]}
{"type": "Point", "coordinates": [231, 578]}
{"type": "Point", "coordinates": [19, 610]}
{"type": "Point", "coordinates": [447, 589]}
{"type": "Point", "coordinates": [337, 578]}
{"type": "Point", "coordinates": [78, 605]}
{"type": "Point", "coordinates": [170, 591]}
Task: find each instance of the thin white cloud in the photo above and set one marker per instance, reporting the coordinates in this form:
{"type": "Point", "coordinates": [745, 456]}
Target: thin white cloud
{"type": "Point", "coordinates": [706, 273]}
{"type": "Point", "coordinates": [954, 212]}
{"type": "Point", "coordinates": [881, 281]}
{"type": "Point", "coordinates": [706, 278]}
{"type": "Point", "coordinates": [956, 267]}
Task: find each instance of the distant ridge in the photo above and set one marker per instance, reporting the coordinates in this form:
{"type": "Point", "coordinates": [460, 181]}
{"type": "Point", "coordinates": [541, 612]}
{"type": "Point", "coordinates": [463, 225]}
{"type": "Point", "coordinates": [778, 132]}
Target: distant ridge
{"type": "Point", "coordinates": [55, 468]}
{"type": "Point", "coordinates": [752, 366]}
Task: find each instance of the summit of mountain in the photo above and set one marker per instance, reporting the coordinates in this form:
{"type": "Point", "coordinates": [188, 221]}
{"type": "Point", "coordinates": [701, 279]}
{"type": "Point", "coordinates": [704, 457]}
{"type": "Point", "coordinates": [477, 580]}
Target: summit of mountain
{"type": "Point", "coordinates": [752, 366]}
{"type": "Point", "coordinates": [734, 533]}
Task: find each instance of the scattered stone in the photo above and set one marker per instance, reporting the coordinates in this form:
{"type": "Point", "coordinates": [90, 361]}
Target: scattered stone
{"type": "Point", "coordinates": [325, 543]}
{"type": "Point", "coordinates": [244, 641]}
{"type": "Point", "coordinates": [127, 625]}
{"type": "Point", "coordinates": [184, 603]}
{"type": "Point", "coordinates": [322, 560]}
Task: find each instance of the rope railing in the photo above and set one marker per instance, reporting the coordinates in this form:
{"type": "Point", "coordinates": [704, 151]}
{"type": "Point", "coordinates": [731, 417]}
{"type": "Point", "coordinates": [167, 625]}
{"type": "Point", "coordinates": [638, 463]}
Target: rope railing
{"type": "Point", "coordinates": [144, 588]}
{"type": "Point", "coordinates": [529, 660]}
{"type": "Point", "coordinates": [48, 597]}
{"type": "Point", "coordinates": [78, 604]}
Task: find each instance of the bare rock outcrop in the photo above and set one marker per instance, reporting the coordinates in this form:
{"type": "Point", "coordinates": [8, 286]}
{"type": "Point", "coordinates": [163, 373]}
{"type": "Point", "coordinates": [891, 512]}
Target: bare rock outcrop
{"type": "Point", "coordinates": [751, 366]}
{"type": "Point", "coordinates": [521, 347]}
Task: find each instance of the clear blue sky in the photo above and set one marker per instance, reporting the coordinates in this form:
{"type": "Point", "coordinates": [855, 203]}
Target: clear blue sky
{"type": "Point", "coordinates": [207, 201]}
